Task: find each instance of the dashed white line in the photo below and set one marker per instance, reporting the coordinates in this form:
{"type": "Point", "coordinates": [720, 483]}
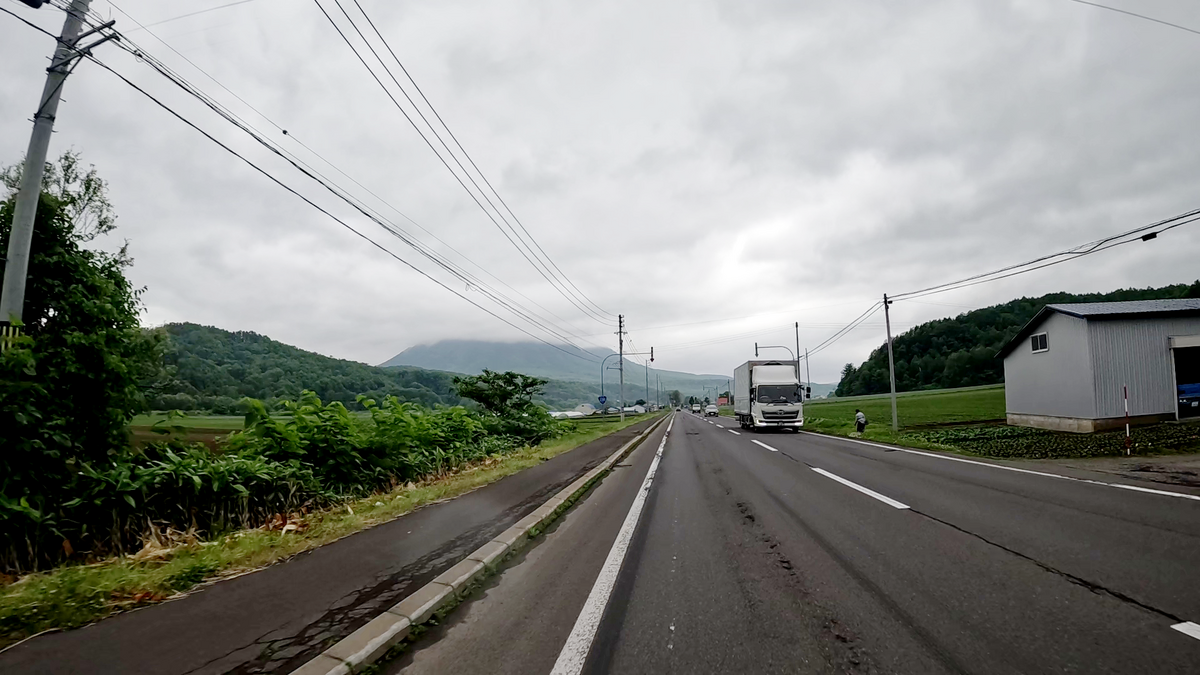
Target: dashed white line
{"type": "Point", "coordinates": [1135, 488]}
{"type": "Point", "coordinates": [720, 427]}
{"type": "Point", "coordinates": [735, 433]}
{"type": "Point", "coordinates": [764, 445]}
{"type": "Point", "coordinates": [866, 491]}
{"type": "Point", "coordinates": [579, 643]}
{"type": "Point", "coordinates": [1188, 628]}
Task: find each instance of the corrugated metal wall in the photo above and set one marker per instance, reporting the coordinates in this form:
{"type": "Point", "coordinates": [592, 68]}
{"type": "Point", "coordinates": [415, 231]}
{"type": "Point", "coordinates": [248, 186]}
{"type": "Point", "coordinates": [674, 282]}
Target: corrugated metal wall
{"type": "Point", "coordinates": [1057, 382]}
{"type": "Point", "coordinates": [1134, 352]}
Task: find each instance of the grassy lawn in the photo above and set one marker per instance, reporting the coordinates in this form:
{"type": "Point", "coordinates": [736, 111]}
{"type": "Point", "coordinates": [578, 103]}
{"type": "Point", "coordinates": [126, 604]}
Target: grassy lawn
{"type": "Point", "coordinates": [75, 595]}
{"type": "Point", "coordinates": [971, 421]}
{"type": "Point", "coordinates": [915, 409]}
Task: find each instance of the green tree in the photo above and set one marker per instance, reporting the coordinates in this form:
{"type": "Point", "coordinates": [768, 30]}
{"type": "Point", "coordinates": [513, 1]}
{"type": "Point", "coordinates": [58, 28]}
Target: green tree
{"type": "Point", "coordinates": [502, 394]}
{"type": "Point", "coordinates": [508, 399]}
{"type": "Point", "coordinates": [71, 384]}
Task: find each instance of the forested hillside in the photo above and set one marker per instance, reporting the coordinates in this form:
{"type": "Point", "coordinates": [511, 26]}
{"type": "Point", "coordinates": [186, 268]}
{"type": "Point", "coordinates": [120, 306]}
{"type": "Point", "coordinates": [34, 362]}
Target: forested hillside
{"type": "Point", "coordinates": [212, 369]}
{"type": "Point", "coordinates": [961, 352]}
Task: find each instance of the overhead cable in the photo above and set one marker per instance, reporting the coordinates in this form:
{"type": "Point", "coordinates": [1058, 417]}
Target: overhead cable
{"type": "Point", "coordinates": [524, 251]}
{"type": "Point", "coordinates": [529, 236]}
{"type": "Point", "coordinates": [467, 277]}
{"type": "Point", "coordinates": [318, 207]}
{"type": "Point", "coordinates": [1142, 233]}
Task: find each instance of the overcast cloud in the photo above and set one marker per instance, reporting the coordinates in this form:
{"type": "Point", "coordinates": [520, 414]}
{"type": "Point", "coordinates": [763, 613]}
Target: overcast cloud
{"type": "Point", "coordinates": [681, 161]}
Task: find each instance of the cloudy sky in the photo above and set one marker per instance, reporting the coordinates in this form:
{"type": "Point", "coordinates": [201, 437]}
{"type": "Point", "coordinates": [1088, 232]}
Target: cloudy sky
{"type": "Point", "coordinates": [713, 170]}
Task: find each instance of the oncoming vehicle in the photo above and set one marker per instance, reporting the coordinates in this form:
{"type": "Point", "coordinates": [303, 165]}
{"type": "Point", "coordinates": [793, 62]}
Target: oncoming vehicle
{"type": "Point", "coordinates": [696, 408]}
{"type": "Point", "coordinates": [768, 394]}
{"type": "Point", "coordinates": [711, 411]}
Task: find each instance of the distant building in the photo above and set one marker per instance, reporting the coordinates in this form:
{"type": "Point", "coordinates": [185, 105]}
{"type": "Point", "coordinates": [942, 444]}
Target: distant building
{"type": "Point", "coordinates": [723, 401]}
{"type": "Point", "coordinates": [1069, 367]}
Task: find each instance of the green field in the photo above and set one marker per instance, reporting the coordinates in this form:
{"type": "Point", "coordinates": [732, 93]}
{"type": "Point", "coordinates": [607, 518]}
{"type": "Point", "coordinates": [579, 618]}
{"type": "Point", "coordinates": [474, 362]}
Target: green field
{"type": "Point", "coordinates": [971, 420]}
{"type": "Point", "coordinates": [198, 421]}
{"type": "Point", "coordinates": [915, 409]}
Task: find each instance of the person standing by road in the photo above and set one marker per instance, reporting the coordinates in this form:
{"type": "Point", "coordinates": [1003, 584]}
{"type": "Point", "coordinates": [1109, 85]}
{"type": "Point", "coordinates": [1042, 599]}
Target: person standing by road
{"type": "Point", "coordinates": [860, 421]}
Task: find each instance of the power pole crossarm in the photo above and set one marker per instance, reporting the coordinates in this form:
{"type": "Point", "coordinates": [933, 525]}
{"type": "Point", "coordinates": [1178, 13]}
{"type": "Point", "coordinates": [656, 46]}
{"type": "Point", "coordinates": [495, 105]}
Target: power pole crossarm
{"type": "Point", "coordinates": [16, 266]}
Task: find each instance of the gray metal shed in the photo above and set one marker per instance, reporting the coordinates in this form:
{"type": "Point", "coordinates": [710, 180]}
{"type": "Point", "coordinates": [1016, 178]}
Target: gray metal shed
{"type": "Point", "coordinates": [1069, 367]}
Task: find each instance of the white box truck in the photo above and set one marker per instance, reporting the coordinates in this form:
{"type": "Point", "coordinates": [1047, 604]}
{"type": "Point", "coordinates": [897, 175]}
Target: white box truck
{"type": "Point", "coordinates": [768, 394]}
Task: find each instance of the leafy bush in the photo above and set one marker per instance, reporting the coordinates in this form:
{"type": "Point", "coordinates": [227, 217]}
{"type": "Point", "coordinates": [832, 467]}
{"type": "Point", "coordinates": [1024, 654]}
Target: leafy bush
{"type": "Point", "coordinates": [507, 403]}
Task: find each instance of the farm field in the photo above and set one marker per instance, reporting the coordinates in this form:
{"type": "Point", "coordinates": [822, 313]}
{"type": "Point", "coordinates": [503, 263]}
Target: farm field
{"type": "Point", "coordinates": [918, 408]}
{"type": "Point", "coordinates": [971, 421]}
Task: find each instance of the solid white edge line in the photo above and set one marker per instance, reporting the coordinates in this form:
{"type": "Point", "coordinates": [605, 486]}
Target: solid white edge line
{"type": "Point", "coordinates": [866, 491]}
{"type": "Point", "coordinates": [575, 651]}
{"type": "Point", "coordinates": [756, 442]}
{"type": "Point", "coordinates": [1188, 628]}
{"type": "Point", "coordinates": [1165, 493]}
{"type": "Point", "coordinates": [735, 433]}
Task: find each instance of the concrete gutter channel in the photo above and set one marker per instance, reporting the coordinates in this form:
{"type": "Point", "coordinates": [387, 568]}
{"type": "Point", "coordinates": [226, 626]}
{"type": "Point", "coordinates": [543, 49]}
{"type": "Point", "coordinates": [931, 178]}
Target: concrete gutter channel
{"type": "Point", "coordinates": [370, 643]}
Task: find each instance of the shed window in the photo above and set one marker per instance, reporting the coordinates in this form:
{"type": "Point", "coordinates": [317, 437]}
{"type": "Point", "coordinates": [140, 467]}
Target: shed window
{"type": "Point", "coordinates": [1039, 343]}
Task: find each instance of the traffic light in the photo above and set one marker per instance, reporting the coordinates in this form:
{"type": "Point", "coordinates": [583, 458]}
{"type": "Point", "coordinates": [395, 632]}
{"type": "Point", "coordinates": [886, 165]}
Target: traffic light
{"type": "Point", "coordinates": [36, 4]}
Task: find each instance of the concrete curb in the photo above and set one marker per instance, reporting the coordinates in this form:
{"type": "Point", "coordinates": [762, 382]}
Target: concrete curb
{"type": "Point", "coordinates": [355, 652]}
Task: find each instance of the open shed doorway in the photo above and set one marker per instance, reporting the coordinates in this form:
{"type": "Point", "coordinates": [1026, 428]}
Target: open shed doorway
{"type": "Point", "coordinates": [1187, 381]}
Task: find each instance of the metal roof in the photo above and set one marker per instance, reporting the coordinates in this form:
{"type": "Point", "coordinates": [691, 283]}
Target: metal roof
{"type": "Point", "coordinates": [1089, 310]}
{"type": "Point", "coordinates": [1130, 309]}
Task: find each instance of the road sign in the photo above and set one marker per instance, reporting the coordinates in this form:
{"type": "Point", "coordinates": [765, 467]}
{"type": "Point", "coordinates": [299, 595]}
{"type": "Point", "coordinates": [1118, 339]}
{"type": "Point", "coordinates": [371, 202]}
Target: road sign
{"type": "Point", "coordinates": [603, 400]}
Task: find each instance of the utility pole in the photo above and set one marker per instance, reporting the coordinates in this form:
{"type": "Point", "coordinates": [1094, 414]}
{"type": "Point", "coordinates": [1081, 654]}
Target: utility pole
{"type": "Point", "coordinates": [798, 358]}
{"type": "Point", "coordinates": [887, 320]}
{"type": "Point", "coordinates": [621, 358]}
{"type": "Point", "coordinates": [16, 267]}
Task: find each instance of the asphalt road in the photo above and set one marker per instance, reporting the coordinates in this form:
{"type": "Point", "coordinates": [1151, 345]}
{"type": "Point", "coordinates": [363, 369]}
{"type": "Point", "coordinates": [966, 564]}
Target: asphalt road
{"type": "Point", "coordinates": [276, 619]}
{"type": "Point", "coordinates": [797, 553]}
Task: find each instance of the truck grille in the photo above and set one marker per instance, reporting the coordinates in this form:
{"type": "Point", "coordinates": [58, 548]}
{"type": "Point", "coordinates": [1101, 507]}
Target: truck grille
{"type": "Point", "coordinates": [779, 415]}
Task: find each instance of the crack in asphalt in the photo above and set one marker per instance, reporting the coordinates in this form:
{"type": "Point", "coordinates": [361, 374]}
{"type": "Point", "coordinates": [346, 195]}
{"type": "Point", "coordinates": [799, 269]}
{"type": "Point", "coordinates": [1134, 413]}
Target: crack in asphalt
{"type": "Point", "coordinates": [1079, 581]}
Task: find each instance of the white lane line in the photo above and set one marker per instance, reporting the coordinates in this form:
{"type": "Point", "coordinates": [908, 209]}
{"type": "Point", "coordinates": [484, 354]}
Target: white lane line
{"type": "Point", "coordinates": [574, 653]}
{"type": "Point", "coordinates": [1188, 628]}
{"type": "Point", "coordinates": [866, 491]}
{"type": "Point", "coordinates": [735, 433]}
{"type": "Point", "coordinates": [764, 445]}
{"type": "Point", "coordinates": [1135, 488]}
{"type": "Point", "coordinates": [720, 427]}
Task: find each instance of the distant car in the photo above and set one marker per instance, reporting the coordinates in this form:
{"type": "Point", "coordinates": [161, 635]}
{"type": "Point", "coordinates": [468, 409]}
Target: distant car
{"type": "Point", "coordinates": [711, 411]}
{"type": "Point", "coordinates": [696, 408]}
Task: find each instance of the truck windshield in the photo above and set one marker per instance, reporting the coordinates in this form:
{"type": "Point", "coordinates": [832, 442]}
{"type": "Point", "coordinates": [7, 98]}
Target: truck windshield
{"type": "Point", "coordinates": [778, 393]}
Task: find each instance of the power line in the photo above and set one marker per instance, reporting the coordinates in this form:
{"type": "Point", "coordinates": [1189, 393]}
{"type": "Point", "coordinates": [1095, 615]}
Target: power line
{"type": "Point", "coordinates": [846, 329]}
{"type": "Point", "coordinates": [540, 268]}
{"type": "Point", "coordinates": [184, 16]}
{"type": "Point", "coordinates": [162, 69]}
{"type": "Point", "coordinates": [472, 161]}
{"type": "Point", "coordinates": [472, 281]}
{"type": "Point", "coordinates": [1142, 233]}
{"type": "Point", "coordinates": [1139, 16]}
{"type": "Point", "coordinates": [318, 207]}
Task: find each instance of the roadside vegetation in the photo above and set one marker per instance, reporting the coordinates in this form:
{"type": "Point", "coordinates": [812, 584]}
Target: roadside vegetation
{"type": "Point", "coordinates": [91, 522]}
{"type": "Point", "coordinates": [971, 421]}
{"type": "Point", "coordinates": [173, 561]}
